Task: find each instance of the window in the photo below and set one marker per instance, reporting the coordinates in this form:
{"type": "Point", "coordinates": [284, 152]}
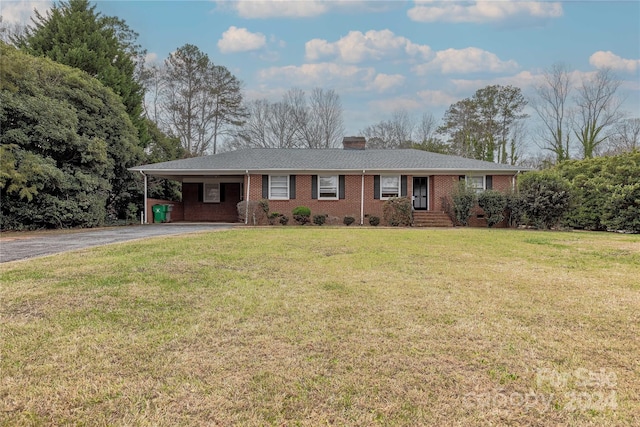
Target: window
{"type": "Point", "coordinates": [476, 183]}
{"type": "Point", "coordinates": [328, 187]}
{"type": "Point", "coordinates": [211, 193]}
{"type": "Point", "coordinates": [389, 186]}
{"type": "Point", "coordinates": [279, 187]}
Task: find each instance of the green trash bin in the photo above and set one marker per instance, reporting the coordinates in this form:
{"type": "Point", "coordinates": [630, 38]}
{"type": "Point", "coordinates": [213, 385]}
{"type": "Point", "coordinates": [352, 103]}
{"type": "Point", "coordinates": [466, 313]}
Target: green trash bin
{"type": "Point", "coordinates": [159, 213]}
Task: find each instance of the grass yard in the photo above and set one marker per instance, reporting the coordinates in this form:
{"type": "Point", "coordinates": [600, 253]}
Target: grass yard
{"type": "Point", "coordinates": [326, 326]}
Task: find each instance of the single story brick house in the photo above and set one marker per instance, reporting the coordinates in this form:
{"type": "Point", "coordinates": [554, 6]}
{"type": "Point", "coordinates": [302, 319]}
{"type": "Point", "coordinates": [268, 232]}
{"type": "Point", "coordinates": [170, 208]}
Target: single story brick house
{"type": "Point", "coordinates": [351, 181]}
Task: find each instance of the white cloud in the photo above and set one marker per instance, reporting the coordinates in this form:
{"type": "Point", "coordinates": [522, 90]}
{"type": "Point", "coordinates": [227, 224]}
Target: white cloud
{"type": "Point", "coordinates": [481, 11]}
{"type": "Point", "coordinates": [468, 60]}
{"type": "Point", "coordinates": [323, 74]}
{"type": "Point", "coordinates": [277, 8]}
{"type": "Point", "coordinates": [151, 58]}
{"type": "Point", "coordinates": [348, 78]}
{"type": "Point", "coordinates": [395, 104]}
{"type": "Point", "coordinates": [383, 82]}
{"type": "Point", "coordinates": [436, 97]}
{"type": "Point", "coordinates": [261, 9]}
{"type": "Point", "coordinates": [608, 59]}
{"type": "Point", "coordinates": [240, 40]}
{"type": "Point", "coordinates": [523, 80]}
{"type": "Point", "coordinates": [356, 47]}
{"type": "Point", "coordinates": [20, 12]}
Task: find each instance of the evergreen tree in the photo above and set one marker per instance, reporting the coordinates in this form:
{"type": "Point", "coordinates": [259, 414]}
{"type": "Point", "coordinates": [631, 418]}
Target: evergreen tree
{"type": "Point", "coordinates": [74, 34]}
{"type": "Point", "coordinates": [65, 147]}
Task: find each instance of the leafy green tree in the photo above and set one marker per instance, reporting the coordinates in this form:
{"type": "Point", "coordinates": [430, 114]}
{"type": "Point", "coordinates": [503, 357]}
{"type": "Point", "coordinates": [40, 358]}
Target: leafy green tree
{"type": "Point", "coordinates": [484, 126]}
{"type": "Point", "coordinates": [546, 197]}
{"type": "Point", "coordinates": [66, 144]}
{"type": "Point", "coordinates": [74, 34]}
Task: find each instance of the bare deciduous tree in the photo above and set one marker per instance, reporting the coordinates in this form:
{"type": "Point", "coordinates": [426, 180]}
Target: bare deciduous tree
{"type": "Point", "coordinates": [552, 108]}
{"type": "Point", "coordinates": [325, 114]}
{"type": "Point", "coordinates": [426, 129]}
{"type": "Point", "coordinates": [293, 122]}
{"type": "Point", "coordinates": [153, 79]}
{"type": "Point", "coordinates": [625, 137]}
{"type": "Point", "coordinates": [396, 132]}
{"type": "Point", "coordinates": [597, 110]}
{"type": "Point", "coordinates": [254, 132]}
{"type": "Point", "coordinates": [194, 100]}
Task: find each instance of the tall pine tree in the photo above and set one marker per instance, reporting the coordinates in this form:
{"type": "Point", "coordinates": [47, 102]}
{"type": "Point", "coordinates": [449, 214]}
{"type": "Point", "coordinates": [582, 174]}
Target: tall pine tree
{"type": "Point", "coordinates": [74, 34]}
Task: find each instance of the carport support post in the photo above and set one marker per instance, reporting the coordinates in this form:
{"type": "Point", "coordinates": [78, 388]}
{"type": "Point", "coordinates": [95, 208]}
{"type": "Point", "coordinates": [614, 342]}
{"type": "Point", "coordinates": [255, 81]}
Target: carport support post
{"type": "Point", "coordinates": [146, 220]}
{"type": "Point", "coordinates": [246, 211]}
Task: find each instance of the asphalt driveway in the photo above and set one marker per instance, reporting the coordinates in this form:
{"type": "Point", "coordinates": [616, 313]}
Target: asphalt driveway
{"type": "Point", "coordinates": [18, 247]}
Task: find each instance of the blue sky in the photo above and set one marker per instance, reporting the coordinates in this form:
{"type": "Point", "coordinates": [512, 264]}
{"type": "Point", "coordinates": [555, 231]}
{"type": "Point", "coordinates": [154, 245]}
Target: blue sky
{"type": "Point", "coordinates": [381, 56]}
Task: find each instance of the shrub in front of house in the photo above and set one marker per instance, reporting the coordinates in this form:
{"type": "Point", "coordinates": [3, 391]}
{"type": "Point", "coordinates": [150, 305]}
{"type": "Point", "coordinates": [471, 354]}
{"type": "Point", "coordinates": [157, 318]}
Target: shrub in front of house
{"type": "Point", "coordinates": [301, 214]}
{"type": "Point", "coordinates": [374, 221]}
{"type": "Point", "coordinates": [623, 208]}
{"type": "Point", "coordinates": [284, 220]}
{"type": "Point", "coordinates": [397, 211]}
{"type": "Point", "coordinates": [348, 220]}
{"type": "Point", "coordinates": [463, 200]}
{"type": "Point", "coordinates": [546, 197]}
{"type": "Point", "coordinates": [274, 217]}
{"type": "Point", "coordinates": [514, 209]}
{"type": "Point", "coordinates": [319, 219]}
{"type": "Point", "coordinates": [257, 212]}
{"type": "Point", "coordinates": [493, 203]}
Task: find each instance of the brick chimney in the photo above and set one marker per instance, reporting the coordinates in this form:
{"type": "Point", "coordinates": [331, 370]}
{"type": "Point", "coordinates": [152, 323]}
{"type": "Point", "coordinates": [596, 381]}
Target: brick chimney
{"type": "Point", "coordinates": [354, 142]}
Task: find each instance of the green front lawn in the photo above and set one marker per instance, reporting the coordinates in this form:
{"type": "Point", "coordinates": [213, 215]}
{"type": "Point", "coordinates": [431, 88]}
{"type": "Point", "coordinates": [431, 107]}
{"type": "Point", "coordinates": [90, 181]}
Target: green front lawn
{"type": "Point", "coordinates": [326, 326]}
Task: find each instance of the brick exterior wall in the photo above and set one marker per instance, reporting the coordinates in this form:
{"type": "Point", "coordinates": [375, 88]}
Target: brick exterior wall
{"type": "Point", "coordinates": [196, 210]}
{"type": "Point", "coordinates": [441, 186]}
{"type": "Point", "coordinates": [192, 209]}
{"type": "Point", "coordinates": [349, 206]}
{"type": "Point", "coordinates": [177, 214]}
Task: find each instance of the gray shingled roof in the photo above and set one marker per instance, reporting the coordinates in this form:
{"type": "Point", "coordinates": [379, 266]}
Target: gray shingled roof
{"type": "Point", "coordinates": [265, 159]}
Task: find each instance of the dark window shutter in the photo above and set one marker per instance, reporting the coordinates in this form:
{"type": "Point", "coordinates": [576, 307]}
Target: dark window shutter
{"type": "Point", "coordinates": [341, 194]}
{"type": "Point", "coordinates": [200, 192]}
{"type": "Point", "coordinates": [489, 181]}
{"type": "Point", "coordinates": [265, 186]}
{"type": "Point", "coordinates": [314, 186]}
{"type": "Point", "coordinates": [461, 178]}
{"type": "Point", "coordinates": [403, 185]}
{"type": "Point", "coordinates": [223, 190]}
{"type": "Point", "coordinates": [292, 186]}
{"type": "Point", "coordinates": [376, 186]}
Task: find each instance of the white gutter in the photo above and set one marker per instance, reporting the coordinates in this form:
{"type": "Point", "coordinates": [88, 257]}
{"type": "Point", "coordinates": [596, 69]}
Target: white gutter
{"type": "Point", "coordinates": [146, 220]}
{"type": "Point", "coordinates": [362, 200]}
{"type": "Point", "coordinates": [246, 212]}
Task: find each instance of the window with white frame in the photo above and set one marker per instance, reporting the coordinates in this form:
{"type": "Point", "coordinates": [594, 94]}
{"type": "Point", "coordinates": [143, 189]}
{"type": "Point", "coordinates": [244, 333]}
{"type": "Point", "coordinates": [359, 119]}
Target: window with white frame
{"type": "Point", "coordinates": [328, 187]}
{"type": "Point", "coordinates": [389, 186]}
{"type": "Point", "coordinates": [279, 187]}
{"type": "Point", "coordinates": [476, 183]}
